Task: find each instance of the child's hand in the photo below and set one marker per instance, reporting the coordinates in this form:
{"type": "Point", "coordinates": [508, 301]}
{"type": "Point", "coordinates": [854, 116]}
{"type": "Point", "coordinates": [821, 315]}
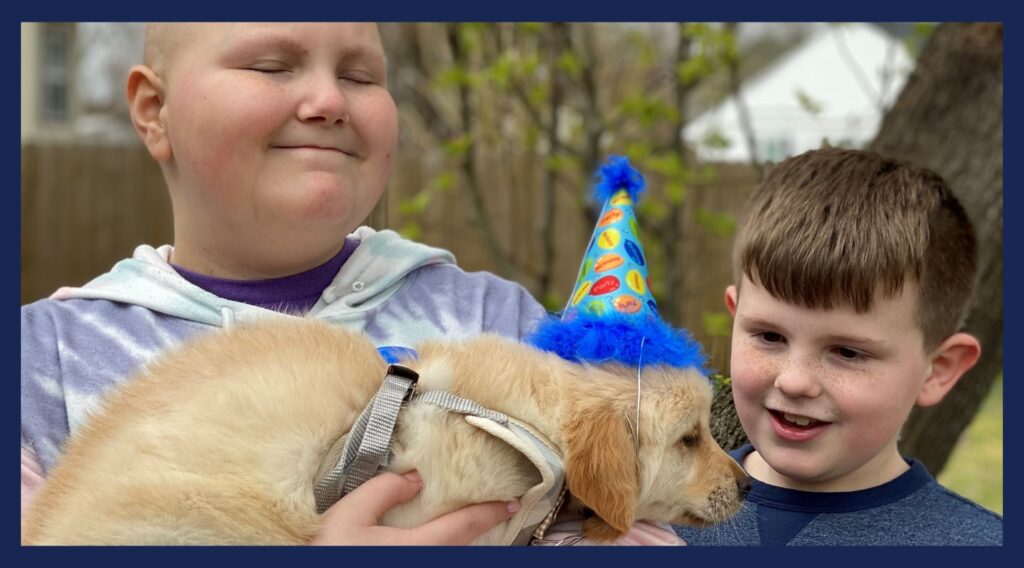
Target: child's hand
{"type": "Point", "coordinates": [353, 520]}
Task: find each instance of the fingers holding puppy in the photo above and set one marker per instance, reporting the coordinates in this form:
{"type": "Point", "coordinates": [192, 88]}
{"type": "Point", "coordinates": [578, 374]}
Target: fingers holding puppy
{"type": "Point", "coordinates": [354, 520]}
{"type": "Point", "coordinates": [464, 525]}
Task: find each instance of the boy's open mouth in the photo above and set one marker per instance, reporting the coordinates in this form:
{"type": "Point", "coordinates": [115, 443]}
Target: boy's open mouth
{"type": "Point", "coordinates": [795, 420]}
{"type": "Point", "coordinates": [794, 427]}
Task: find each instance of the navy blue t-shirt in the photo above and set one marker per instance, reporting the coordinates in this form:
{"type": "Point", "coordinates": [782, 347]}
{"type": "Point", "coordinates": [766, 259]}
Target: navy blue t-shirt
{"type": "Point", "coordinates": [912, 509]}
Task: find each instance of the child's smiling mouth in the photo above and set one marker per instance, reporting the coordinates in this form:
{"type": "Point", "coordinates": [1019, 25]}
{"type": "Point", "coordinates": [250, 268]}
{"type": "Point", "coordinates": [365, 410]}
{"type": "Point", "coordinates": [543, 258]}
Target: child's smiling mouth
{"type": "Point", "coordinates": [795, 427]}
{"type": "Point", "coordinates": [315, 148]}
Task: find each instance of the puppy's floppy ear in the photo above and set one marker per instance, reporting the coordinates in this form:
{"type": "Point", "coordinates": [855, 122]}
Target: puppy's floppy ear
{"type": "Point", "coordinates": [601, 468]}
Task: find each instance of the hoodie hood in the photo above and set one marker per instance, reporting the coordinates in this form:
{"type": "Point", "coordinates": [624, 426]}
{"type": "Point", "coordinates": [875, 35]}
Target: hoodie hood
{"type": "Point", "coordinates": [375, 271]}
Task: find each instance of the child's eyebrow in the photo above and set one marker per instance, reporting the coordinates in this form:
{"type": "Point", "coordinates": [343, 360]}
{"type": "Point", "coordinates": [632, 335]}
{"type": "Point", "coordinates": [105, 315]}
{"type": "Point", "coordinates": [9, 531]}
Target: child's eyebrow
{"type": "Point", "coordinates": [263, 41]}
{"type": "Point", "coordinates": [365, 54]}
{"type": "Point", "coordinates": [356, 52]}
{"type": "Point", "coordinates": [865, 342]}
{"type": "Point", "coordinates": [756, 322]}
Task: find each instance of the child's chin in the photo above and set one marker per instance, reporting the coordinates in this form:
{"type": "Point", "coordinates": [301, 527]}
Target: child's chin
{"type": "Point", "coordinates": [798, 465]}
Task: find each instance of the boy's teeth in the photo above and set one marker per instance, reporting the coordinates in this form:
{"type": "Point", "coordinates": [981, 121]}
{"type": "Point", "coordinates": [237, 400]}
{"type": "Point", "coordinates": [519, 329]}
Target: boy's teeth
{"type": "Point", "coordinates": [798, 420]}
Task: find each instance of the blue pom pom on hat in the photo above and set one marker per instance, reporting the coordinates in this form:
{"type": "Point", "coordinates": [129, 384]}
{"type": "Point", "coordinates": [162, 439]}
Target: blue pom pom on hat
{"type": "Point", "coordinates": [611, 315]}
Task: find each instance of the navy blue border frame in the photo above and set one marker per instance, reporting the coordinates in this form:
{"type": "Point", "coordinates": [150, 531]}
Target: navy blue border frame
{"type": "Point", "coordinates": [520, 10]}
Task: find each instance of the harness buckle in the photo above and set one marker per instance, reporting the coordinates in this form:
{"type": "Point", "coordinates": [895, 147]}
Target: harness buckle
{"type": "Point", "coordinates": [406, 373]}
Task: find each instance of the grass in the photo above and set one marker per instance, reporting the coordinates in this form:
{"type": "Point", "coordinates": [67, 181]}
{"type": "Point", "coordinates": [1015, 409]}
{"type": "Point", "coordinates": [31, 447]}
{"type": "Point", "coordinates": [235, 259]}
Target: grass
{"type": "Point", "coordinates": [975, 468]}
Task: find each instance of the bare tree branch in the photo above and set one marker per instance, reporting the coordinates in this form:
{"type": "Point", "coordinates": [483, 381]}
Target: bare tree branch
{"type": "Point", "coordinates": [469, 164]}
{"type": "Point", "coordinates": [746, 124]}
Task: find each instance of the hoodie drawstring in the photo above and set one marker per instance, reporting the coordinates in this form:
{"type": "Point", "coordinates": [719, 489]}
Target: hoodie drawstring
{"type": "Point", "coordinates": [228, 317]}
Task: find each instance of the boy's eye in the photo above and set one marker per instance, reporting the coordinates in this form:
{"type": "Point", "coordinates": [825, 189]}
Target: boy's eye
{"type": "Point", "coordinates": [848, 354]}
{"type": "Point", "coordinates": [770, 337]}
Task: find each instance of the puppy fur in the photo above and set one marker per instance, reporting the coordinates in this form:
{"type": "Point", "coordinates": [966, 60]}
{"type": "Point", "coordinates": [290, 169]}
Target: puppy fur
{"type": "Point", "coordinates": [222, 440]}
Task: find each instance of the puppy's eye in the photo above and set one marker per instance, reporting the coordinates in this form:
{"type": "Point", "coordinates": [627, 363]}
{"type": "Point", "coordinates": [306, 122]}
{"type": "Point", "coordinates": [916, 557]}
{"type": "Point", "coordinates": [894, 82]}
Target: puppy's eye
{"type": "Point", "coordinates": [691, 439]}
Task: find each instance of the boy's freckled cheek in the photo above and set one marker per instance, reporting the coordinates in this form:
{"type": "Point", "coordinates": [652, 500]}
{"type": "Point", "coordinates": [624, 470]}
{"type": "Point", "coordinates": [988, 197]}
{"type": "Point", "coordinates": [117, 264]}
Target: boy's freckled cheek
{"type": "Point", "coordinates": [749, 366]}
{"type": "Point", "coordinates": [839, 384]}
{"type": "Point", "coordinates": [751, 377]}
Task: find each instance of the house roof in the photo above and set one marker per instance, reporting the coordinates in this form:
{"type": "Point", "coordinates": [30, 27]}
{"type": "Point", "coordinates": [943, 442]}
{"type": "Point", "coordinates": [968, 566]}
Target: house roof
{"type": "Point", "coordinates": [838, 72]}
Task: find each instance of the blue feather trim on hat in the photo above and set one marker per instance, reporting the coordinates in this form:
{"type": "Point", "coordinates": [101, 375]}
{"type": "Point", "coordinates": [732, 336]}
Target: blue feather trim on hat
{"type": "Point", "coordinates": [616, 175]}
{"type": "Point", "coordinates": [615, 338]}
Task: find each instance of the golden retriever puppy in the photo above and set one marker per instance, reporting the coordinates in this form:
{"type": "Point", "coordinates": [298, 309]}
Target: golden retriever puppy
{"type": "Point", "coordinates": [223, 440]}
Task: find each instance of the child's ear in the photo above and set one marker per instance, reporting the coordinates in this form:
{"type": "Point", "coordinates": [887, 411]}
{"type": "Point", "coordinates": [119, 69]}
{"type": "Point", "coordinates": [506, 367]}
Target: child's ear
{"type": "Point", "coordinates": [145, 92]}
{"type": "Point", "coordinates": [954, 357]}
{"type": "Point", "coordinates": [731, 299]}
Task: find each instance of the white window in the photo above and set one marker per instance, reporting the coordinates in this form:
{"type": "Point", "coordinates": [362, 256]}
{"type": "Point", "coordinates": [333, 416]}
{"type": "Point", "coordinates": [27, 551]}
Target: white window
{"type": "Point", "coordinates": [55, 72]}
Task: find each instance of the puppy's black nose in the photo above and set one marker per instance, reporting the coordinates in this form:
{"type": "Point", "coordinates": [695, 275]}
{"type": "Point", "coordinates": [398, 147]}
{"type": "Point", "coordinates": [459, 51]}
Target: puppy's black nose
{"type": "Point", "coordinates": [743, 486]}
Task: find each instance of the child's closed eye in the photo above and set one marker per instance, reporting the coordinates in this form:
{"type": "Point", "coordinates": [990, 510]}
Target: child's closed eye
{"type": "Point", "coordinates": [268, 67]}
{"type": "Point", "coordinates": [358, 78]}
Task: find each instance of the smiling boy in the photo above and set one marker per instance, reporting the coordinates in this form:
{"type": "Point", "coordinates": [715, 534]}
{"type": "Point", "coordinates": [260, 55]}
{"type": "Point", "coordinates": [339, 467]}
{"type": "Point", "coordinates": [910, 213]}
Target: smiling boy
{"type": "Point", "coordinates": [853, 278]}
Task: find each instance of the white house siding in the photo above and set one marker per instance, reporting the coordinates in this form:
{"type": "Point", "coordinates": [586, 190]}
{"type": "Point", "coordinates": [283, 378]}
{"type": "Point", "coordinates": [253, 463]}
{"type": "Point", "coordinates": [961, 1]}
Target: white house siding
{"type": "Point", "coordinates": [851, 72]}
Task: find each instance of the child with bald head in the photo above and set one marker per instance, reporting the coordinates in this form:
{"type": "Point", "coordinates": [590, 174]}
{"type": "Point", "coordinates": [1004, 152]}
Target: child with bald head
{"type": "Point", "coordinates": [275, 140]}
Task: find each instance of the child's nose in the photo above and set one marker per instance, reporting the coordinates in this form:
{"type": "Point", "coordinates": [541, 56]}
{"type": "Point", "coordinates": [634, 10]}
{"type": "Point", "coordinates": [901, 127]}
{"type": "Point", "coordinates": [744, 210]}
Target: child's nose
{"type": "Point", "coordinates": [324, 100]}
{"type": "Point", "coordinates": [797, 379]}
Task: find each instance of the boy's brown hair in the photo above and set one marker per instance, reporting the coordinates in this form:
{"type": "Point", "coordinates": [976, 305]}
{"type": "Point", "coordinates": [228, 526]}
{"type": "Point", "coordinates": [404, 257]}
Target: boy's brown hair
{"type": "Point", "coordinates": [831, 226]}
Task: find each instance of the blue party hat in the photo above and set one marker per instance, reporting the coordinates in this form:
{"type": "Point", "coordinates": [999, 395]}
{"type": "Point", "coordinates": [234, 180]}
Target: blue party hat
{"type": "Point", "coordinates": [611, 315]}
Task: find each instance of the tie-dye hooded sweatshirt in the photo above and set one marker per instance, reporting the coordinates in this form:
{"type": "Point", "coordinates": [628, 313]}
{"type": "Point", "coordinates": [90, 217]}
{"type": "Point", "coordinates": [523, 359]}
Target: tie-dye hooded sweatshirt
{"type": "Point", "coordinates": [81, 341]}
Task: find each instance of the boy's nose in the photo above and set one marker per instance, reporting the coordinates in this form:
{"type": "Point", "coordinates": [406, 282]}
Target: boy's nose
{"type": "Point", "coordinates": [797, 380]}
{"type": "Point", "coordinates": [324, 101]}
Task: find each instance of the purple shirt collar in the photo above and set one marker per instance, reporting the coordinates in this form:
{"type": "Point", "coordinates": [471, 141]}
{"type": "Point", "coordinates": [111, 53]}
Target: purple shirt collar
{"type": "Point", "coordinates": [293, 294]}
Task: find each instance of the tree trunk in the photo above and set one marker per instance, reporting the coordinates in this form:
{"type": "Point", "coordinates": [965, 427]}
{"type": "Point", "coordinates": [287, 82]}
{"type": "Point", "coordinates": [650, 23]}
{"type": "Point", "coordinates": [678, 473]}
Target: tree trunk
{"type": "Point", "coordinates": [949, 119]}
{"type": "Point", "coordinates": [725, 425]}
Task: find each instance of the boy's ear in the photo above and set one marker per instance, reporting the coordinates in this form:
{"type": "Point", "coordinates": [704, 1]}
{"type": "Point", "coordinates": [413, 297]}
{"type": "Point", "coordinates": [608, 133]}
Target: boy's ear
{"type": "Point", "coordinates": [145, 91]}
{"type": "Point", "coordinates": [954, 357]}
{"type": "Point", "coordinates": [731, 299]}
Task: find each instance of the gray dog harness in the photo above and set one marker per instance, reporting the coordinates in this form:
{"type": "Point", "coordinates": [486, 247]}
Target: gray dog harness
{"type": "Point", "coordinates": [367, 452]}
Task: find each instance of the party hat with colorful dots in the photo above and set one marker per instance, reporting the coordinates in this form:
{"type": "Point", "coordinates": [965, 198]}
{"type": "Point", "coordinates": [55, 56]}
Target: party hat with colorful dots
{"type": "Point", "coordinates": [611, 315]}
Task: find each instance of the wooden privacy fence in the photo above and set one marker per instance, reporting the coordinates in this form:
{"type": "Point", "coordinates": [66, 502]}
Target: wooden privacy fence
{"type": "Point", "coordinates": [83, 208]}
